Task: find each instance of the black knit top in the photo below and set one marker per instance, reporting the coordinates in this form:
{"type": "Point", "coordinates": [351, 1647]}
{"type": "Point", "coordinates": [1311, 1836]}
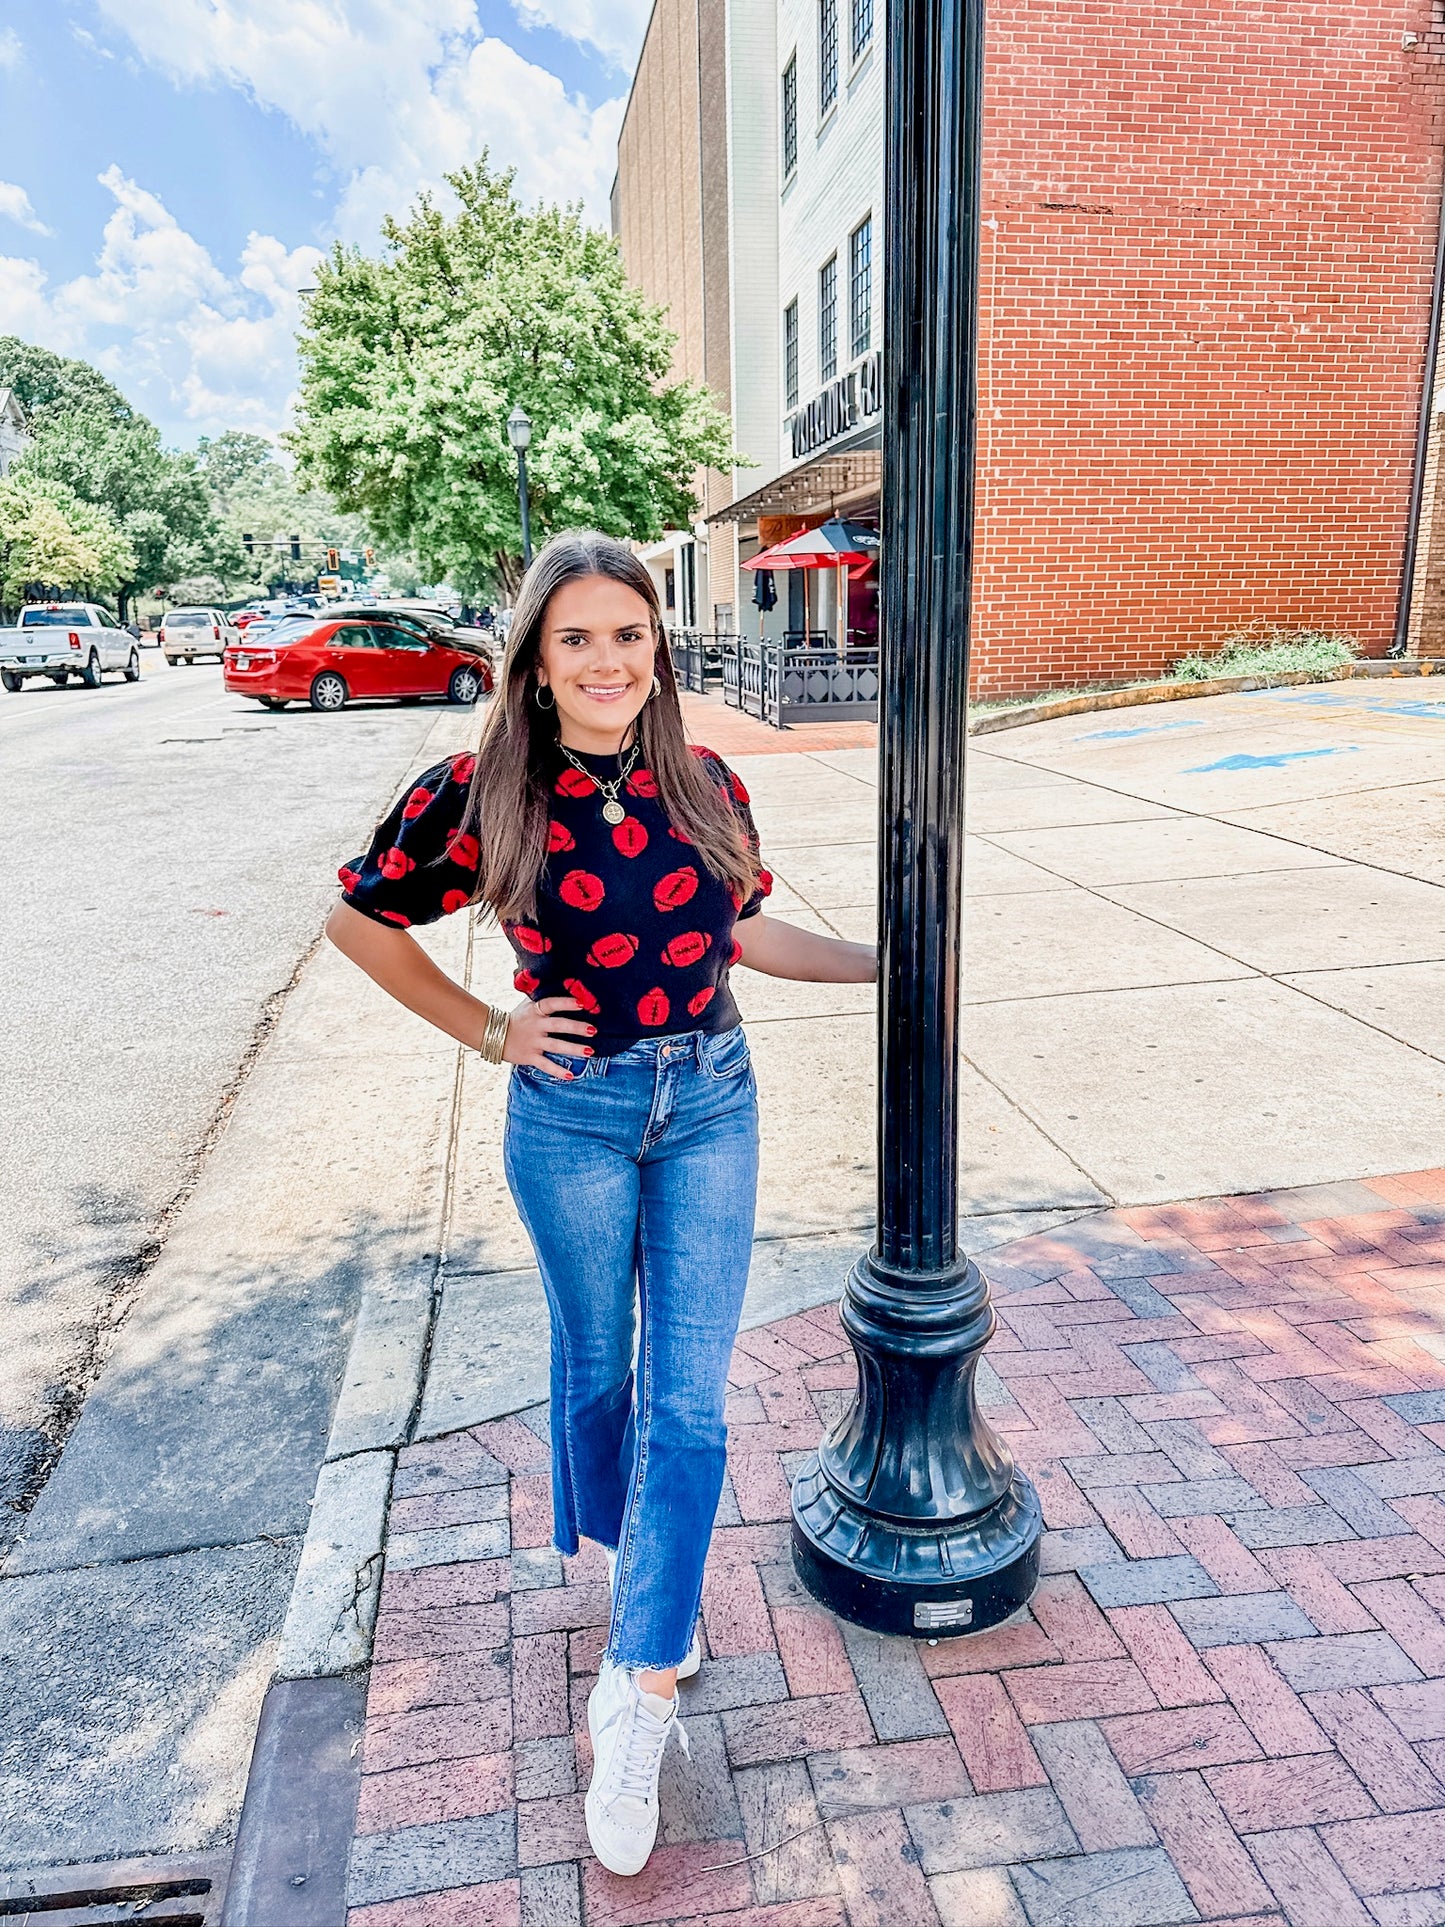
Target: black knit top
{"type": "Point", "coordinates": [629, 920]}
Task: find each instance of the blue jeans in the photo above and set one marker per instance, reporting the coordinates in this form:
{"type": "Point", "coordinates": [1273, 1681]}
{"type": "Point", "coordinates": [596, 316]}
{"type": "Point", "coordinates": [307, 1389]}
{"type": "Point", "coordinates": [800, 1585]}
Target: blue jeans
{"type": "Point", "coordinates": [637, 1183]}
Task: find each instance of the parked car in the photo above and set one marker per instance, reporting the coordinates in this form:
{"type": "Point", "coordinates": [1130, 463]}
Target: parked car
{"type": "Point", "coordinates": [330, 663]}
{"type": "Point", "coordinates": [421, 619]}
{"type": "Point", "coordinates": [64, 639]}
{"type": "Point", "coordinates": [189, 633]}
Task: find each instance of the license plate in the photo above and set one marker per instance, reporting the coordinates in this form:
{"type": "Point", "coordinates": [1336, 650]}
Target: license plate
{"type": "Point", "coordinates": [243, 662]}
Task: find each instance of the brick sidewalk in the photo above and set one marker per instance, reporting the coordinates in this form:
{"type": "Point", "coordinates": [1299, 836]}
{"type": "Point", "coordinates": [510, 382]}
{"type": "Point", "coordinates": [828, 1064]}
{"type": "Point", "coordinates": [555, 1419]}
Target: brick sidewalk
{"type": "Point", "coordinates": [1227, 1701]}
{"type": "Point", "coordinates": [710, 720]}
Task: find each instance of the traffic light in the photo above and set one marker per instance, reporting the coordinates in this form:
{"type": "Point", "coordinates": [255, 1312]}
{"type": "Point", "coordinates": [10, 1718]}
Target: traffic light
{"type": "Point", "coordinates": [333, 561]}
{"type": "Point", "coordinates": [369, 556]}
{"type": "Point", "coordinates": [248, 543]}
{"type": "Point", "coordinates": [296, 548]}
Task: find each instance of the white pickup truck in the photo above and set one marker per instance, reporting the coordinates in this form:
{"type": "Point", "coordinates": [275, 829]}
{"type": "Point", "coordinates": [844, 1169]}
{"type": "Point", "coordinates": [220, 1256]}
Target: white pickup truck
{"type": "Point", "coordinates": [63, 639]}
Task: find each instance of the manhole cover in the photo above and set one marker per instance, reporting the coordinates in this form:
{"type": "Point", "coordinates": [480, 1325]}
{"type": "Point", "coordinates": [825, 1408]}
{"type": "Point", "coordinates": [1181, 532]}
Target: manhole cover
{"type": "Point", "coordinates": [173, 1890]}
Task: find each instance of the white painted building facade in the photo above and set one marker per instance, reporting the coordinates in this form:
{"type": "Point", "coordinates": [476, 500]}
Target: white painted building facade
{"type": "Point", "coordinates": [802, 112]}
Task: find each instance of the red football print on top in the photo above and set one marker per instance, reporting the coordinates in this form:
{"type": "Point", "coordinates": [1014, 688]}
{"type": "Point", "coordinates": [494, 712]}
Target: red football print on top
{"type": "Point", "coordinates": [463, 768]}
{"type": "Point", "coordinates": [687, 947]}
{"type": "Point", "coordinates": [630, 837]}
{"type": "Point", "coordinates": [653, 1008]}
{"type": "Point", "coordinates": [765, 883]}
{"type": "Point", "coordinates": [677, 887]}
{"type": "Point", "coordinates": [559, 837]}
{"type": "Point", "coordinates": [575, 987]}
{"type": "Point", "coordinates": [464, 850]}
{"type": "Point", "coordinates": [575, 782]}
{"type": "Point", "coordinates": [681, 835]}
{"type": "Point", "coordinates": [738, 791]}
{"type": "Point", "coordinates": [610, 953]}
{"type": "Point", "coordinates": [526, 981]}
{"type": "Point", "coordinates": [642, 782]}
{"type": "Point", "coordinates": [737, 896]}
{"type": "Point", "coordinates": [698, 1004]}
{"type": "Point", "coordinates": [735, 955]}
{"type": "Point", "coordinates": [395, 916]}
{"type": "Point", "coordinates": [415, 804]}
{"type": "Point", "coordinates": [581, 889]}
{"type": "Point", "coordinates": [454, 900]}
{"type": "Point", "coordinates": [395, 864]}
{"type": "Point", "coordinates": [526, 936]}
{"type": "Point", "coordinates": [349, 878]}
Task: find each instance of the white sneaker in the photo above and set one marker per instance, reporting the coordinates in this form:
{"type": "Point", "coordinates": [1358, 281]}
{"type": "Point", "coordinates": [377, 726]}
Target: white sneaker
{"type": "Point", "coordinates": [692, 1659]}
{"type": "Point", "coordinates": [630, 1731]}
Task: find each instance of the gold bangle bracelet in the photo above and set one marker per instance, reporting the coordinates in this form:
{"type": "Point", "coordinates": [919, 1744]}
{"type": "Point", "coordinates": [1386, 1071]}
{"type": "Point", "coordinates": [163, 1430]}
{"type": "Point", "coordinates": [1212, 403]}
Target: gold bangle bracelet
{"type": "Point", "coordinates": [494, 1036]}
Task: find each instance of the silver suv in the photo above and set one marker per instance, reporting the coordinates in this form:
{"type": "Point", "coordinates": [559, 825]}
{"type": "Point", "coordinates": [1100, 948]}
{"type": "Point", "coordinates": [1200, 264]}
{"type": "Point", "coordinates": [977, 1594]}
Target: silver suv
{"type": "Point", "coordinates": [188, 633]}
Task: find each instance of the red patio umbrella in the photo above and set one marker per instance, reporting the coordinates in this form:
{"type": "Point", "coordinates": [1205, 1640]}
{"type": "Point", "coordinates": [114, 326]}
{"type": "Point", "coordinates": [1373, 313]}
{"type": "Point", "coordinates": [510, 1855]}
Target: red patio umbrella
{"type": "Point", "coordinates": [834, 544]}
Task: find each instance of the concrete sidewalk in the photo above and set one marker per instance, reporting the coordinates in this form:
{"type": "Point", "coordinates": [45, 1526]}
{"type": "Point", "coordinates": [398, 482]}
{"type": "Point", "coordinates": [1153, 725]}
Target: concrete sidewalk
{"type": "Point", "coordinates": [1202, 947]}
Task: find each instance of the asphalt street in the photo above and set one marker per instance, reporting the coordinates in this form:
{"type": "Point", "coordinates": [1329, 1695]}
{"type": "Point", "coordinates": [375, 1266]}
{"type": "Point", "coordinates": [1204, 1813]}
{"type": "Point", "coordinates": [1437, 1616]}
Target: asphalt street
{"type": "Point", "coordinates": [169, 854]}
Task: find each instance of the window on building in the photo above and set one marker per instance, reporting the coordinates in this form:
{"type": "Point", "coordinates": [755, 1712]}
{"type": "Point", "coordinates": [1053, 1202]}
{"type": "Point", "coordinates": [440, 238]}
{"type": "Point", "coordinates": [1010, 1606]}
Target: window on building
{"type": "Point", "coordinates": [828, 318]}
{"type": "Point", "coordinates": [827, 55]}
{"type": "Point", "coordinates": [790, 354]}
{"type": "Point", "coordinates": [862, 26]}
{"type": "Point", "coordinates": [790, 117]}
{"type": "Point", "coordinates": [860, 289]}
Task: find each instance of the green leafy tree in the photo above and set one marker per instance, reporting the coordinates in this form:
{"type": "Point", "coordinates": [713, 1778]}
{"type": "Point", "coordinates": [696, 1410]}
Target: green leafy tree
{"type": "Point", "coordinates": [52, 539]}
{"type": "Point", "coordinates": [234, 461]}
{"type": "Point", "coordinates": [412, 362]}
{"type": "Point", "coordinates": [88, 437]}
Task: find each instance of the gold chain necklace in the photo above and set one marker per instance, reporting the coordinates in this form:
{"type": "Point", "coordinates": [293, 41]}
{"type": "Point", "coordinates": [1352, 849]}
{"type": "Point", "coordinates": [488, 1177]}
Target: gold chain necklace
{"type": "Point", "coordinates": [612, 811]}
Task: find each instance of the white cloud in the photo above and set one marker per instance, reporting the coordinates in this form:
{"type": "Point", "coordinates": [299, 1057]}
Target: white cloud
{"type": "Point", "coordinates": [15, 206]}
{"type": "Point", "coordinates": [614, 27]}
{"type": "Point", "coordinates": [396, 93]}
{"type": "Point", "coordinates": [178, 335]}
{"type": "Point", "coordinates": [11, 51]}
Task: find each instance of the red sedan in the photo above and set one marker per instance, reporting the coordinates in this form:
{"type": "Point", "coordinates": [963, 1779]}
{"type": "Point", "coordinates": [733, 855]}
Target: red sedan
{"type": "Point", "coordinates": [329, 664]}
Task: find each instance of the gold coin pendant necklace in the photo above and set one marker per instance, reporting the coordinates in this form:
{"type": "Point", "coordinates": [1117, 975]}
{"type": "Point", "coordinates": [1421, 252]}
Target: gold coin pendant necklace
{"type": "Point", "coordinates": [613, 812]}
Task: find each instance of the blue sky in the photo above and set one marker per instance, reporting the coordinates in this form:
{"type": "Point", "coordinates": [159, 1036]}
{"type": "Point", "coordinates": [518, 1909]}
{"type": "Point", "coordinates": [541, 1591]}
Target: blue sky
{"type": "Point", "coordinates": [169, 168]}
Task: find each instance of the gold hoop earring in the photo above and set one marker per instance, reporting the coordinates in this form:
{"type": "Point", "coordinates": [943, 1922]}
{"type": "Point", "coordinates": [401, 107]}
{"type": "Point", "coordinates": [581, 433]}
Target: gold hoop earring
{"type": "Point", "coordinates": [537, 698]}
{"type": "Point", "coordinates": [656, 687]}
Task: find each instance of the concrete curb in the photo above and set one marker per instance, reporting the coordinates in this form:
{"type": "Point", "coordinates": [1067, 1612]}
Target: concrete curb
{"type": "Point", "coordinates": [1175, 692]}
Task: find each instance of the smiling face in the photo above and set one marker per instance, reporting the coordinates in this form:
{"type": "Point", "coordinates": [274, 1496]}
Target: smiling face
{"type": "Point", "coordinates": [596, 656]}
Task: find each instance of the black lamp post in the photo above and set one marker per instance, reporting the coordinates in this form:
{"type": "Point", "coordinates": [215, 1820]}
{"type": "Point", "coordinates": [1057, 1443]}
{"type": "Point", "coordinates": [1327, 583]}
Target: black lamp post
{"type": "Point", "coordinates": [911, 1518]}
{"type": "Point", "coordinates": [519, 431]}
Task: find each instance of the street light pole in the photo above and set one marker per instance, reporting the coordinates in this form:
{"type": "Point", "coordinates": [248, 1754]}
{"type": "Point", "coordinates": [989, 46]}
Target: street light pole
{"type": "Point", "coordinates": [911, 1518]}
{"type": "Point", "coordinates": [519, 429]}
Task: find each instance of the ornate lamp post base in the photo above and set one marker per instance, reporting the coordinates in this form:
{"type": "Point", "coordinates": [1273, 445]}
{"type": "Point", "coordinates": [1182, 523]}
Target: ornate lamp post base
{"type": "Point", "coordinates": [911, 1517]}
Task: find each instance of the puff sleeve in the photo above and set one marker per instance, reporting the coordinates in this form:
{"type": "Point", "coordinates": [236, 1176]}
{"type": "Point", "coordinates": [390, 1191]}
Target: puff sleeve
{"type": "Point", "coordinates": [420, 866]}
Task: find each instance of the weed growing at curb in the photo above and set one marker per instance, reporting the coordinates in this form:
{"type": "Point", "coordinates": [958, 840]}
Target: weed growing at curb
{"type": "Point", "coordinates": [1266, 649]}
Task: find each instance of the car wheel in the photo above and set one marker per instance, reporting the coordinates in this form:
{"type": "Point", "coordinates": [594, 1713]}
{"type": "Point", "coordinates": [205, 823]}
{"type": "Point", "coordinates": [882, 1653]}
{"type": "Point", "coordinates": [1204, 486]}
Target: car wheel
{"type": "Point", "coordinates": [328, 691]}
{"type": "Point", "coordinates": [132, 668]}
{"type": "Point", "coordinates": [12, 683]}
{"type": "Point", "coordinates": [60, 681]}
{"type": "Point", "coordinates": [90, 675]}
{"type": "Point", "coordinates": [172, 660]}
{"type": "Point", "coordinates": [271, 702]}
{"type": "Point", "coordinates": [464, 687]}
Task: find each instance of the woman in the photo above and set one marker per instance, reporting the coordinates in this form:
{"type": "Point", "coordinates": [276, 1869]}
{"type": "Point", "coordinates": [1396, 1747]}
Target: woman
{"type": "Point", "coordinates": [622, 864]}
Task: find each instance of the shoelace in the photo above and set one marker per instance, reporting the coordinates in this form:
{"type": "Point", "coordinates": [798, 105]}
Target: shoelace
{"type": "Point", "coordinates": [638, 1752]}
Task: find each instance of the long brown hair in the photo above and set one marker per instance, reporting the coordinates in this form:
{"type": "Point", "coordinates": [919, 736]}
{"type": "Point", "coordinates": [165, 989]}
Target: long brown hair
{"type": "Point", "coordinates": [509, 803]}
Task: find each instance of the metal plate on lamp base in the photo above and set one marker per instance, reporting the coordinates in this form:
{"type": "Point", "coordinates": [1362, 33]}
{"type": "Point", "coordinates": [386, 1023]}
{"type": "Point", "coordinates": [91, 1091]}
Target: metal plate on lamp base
{"type": "Point", "coordinates": [933, 1584]}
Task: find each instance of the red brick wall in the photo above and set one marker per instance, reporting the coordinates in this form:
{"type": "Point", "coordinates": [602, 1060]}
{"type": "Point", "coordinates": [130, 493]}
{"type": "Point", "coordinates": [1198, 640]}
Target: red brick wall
{"type": "Point", "coordinates": [1205, 289]}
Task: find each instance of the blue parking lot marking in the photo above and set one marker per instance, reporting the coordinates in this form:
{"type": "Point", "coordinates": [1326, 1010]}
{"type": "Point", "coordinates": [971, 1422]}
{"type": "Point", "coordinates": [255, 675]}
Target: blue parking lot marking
{"type": "Point", "coordinates": [1240, 761]}
{"type": "Point", "coordinates": [1143, 729]}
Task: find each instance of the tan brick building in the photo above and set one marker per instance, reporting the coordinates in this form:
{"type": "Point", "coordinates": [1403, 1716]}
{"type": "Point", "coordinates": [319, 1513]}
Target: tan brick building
{"type": "Point", "coordinates": [1206, 282]}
